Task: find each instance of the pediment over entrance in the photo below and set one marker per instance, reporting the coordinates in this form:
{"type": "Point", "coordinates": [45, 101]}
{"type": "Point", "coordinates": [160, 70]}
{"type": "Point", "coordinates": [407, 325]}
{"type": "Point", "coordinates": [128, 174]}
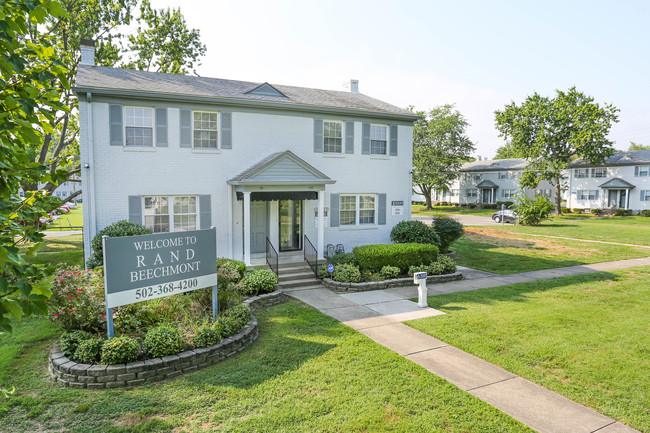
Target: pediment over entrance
{"type": "Point", "coordinates": [282, 168]}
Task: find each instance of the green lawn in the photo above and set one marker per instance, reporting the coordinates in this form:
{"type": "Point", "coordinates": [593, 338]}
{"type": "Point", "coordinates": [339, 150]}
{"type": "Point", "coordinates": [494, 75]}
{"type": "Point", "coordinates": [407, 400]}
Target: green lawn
{"type": "Point", "coordinates": [61, 249]}
{"type": "Point", "coordinates": [631, 230]}
{"type": "Point", "coordinates": [74, 218]}
{"type": "Point", "coordinates": [418, 209]}
{"type": "Point", "coordinates": [306, 373]}
{"type": "Point", "coordinates": [503, 252]}
{"type": "Point", "coordinates": [585, 337]}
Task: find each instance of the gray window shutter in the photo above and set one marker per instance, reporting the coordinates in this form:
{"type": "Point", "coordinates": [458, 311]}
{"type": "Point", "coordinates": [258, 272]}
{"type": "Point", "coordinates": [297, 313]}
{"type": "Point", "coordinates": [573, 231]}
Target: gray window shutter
{"type": "Point", "coordinates": [161, 127]}
{"type": "Point", "coordinates": [596, 196]}
{"type": "Point", "coordinates": [636, 171]}
{"type": "Point", "coordinates": [381, 210]}
{"type": "Point", "coordinates": [393, 140]}
{"type": "Point", "coordinates": [642, 195]}
{"type": "Point", "coordinates": [349, 137]}
{"type": "Point", "coordinates": [135, 209]}
{"type": "Point", "coordinates": [205, 217]}
{"type": "Point", "coordinates": [503, 193]}
{"type": "Point", "coordinates": [186, 128]}
{"type": "Point", "coordinates": [318, 135]}
{"type": "Point", "coordinates": [334, 210]}
{"type": "Point", "coordinates": [226, 130]}
{"type": "Point", "coordinates": [365, 139]}
{"type": "Point", "coordinates": [115, 124]}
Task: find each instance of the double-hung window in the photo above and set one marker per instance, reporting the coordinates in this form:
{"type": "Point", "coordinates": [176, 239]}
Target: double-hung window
{"type": "Point", "coordinates": [206, 129]}
{"type": "Point", "coordinates": [170, 214]}
{"type": "Point", "coordinates": [599, 172]}
{"type": "Point", "coordinates": [509, 193]}
{"type": "Point", "coordinates": [138, 126]}
{"type": "Point", "coordinates": [588, 194]}
{"type": "Point", "coordinates": [582, 173]}
{"type": "Point", "coordinates": [503, 175]}
{"type": "Point", "coordinates": [543, 192]}
{"type": "Point", "coordinates": [472, 193]}
{"type": "Point", "coordinates": [454, 193]}
{"type": "Point", "coordinates": [643, 170]}
{"type": "Point", "coordinates": [332, 136]}
{"type": "Point", "coordinates": [357, 209]}
{"type": "Point", "coordinates": [645, 195]}
{"type": "Point", "coordinates": [378, 139]}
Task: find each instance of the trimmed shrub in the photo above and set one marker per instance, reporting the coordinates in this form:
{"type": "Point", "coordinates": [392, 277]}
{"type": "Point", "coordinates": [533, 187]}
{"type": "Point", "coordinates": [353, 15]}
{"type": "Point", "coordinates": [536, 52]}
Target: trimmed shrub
{"type": "Point", "coordinates": [207, 334]}
{"type": "Point", "coordinates": [322, 272]}
{"type": "Point", "coordinates": [596, 211]}
{"type": "Point", "coordinates": [533, 211]}
{"type": "Point", "coordinates": [578, 210]}
{"type": "Point", "coordinates": [232, 263]}
{"type": "Point", "coordinates": [565, 210]}
{"type": "Point", "coordinates": [347, 273]}
{"type": "Point", "coordinates": [117, 229]}
{"type": "Point", "coordinates": [645, 212]}
{"type": "Point", "coordinates": [622, 212]}
{"type": "Point", "coordinates": [471, 205]}
{"type": "Point", "coordinates": [89, 351]}
{"type": "Point", "coordinates": [374, 257]}
{"type": "Point", "coordinates": [70, 342]}
{"type": "Point", "coordinates": [133, 318]}
{"type": "Point", "coordinates": [389, 272]}
{"type": "Point", "coordinates": [444, 265]}
{"type": "Point", "coordinates": [343, 258]}
{"type": "Point", "coordinates": [448, 230]}
{"type": "Point", "coordinates": [233, 320]}
{"type": "Point", "coordinates": [162, 341]}
{"type": "Point", "coordinates": [120, 350]}
{"type": "Point", "coordinates": [413, 232]}
{"type": "Point", "coordinates": [419, 268]}
{"type": "Point", "coordinates": [259, 282]}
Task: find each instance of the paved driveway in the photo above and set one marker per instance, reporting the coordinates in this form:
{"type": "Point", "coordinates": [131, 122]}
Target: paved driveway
{"type": "Point", "coordinates": [467, 220]}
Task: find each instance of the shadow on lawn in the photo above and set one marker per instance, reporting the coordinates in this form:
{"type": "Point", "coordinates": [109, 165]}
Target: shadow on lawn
{"type": "Point", "coordinates": [511, 293]}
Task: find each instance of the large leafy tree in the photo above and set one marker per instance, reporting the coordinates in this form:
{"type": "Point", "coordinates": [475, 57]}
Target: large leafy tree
{"type": "Point", "coordinates": [440, 147]}
{"type": "Point", "coordinates": [551, 132]}
{"type": "Point", "coordinates": [638, 146]}
{"type": "Point", "coordinates": [162, 42]}
{"type": "Point", "coordinates": [32, 81]}
{"type": "Point", "coordinates": [507, 151]}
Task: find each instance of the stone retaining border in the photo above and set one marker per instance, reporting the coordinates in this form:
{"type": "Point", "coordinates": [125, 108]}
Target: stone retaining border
{"type": "Point", "coordinates": [380, 285]}
{"type": "Point", "coordinates": [100, 376]}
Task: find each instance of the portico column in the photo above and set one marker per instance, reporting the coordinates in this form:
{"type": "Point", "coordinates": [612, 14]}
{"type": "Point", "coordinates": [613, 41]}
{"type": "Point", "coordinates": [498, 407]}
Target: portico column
{"type": "Point", "coordinates": [627, 198]}
{"type": "Point", "coordinates": [321, 224]}
{"type": "Point", "coordinates": [247, 228]}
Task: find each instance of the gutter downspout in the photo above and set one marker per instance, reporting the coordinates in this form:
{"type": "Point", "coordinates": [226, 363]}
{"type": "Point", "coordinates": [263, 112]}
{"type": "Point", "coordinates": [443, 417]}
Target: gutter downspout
{"type": "Point", "coordinates": [90, 176]}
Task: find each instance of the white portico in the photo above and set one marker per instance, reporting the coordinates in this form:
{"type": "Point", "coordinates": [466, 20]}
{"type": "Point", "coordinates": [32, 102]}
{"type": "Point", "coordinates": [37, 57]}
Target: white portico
{"type": "Point", "coordinates": [276, 194]}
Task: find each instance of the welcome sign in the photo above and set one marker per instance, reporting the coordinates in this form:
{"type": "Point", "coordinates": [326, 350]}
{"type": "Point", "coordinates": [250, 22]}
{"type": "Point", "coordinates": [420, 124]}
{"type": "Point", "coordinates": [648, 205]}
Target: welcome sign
{"type": "Point", "coordinates": [139, 268]}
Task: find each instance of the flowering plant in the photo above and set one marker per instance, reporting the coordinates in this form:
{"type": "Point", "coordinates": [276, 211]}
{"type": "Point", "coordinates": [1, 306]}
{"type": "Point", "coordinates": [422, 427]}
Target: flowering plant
{"type": "Point", "coordinates": [77, 300]}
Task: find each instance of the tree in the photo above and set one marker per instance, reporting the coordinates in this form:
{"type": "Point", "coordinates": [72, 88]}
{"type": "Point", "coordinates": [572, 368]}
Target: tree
{"type": "Point", "coordinates": [637, 146]}
{"type": "Point", "coordinates": [440, 147]}
{"type": "Point", "coordinates": [29, 101]}
{"type": "Point", "coordinates": [549, 132]}
{"type": "Point", "coordinates": [507, 151]}
{"type": "Point", "coordinates": [162, 42]}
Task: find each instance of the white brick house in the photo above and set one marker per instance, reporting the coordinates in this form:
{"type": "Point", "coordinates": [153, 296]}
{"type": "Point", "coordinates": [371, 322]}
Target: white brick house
{"type": "Point", "coordinates": [622, 182]}
{"type": "Point", "coordinates": [256, 161]}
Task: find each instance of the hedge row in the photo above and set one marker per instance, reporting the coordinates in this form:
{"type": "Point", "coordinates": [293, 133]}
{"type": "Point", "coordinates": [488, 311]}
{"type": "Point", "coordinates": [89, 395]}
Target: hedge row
{"type": "Point", "coordinates": [374, 257]}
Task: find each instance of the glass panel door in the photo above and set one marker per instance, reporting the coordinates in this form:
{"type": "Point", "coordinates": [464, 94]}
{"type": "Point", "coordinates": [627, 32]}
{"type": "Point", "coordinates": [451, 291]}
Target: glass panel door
{"type": "Point", "coordinates": [290, 225]}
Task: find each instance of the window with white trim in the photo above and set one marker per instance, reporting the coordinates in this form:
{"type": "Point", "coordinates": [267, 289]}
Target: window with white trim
{"type": "Point", "coordinates": [581, 173]}
{"type": "Point", "coordinates": [543, 192]}
{"type": "Point", "coordinates": [503, 175]}
{"type": "Point", "coordinates": [513, 174]}
{"type": "Point", "coordinates": [206, 129]}
{"type": "Point", "coordinates": [378, 139]}
{"type": "Point", "coordinates": [138, 126]}
{"type": "Point", "coordinates": [599, 172]}
{"type": "Point", "coordinates": [357, 209]}
{"type": "Point", "coordinates": [471, 193]}
{"type": "Point", "coordinates": [645, 195]}
{"type": "Point", "coordinates": [164, 214]}
{"type": "Point", "coordinates": [591, 194]}
{"type": "Point", "coordinates": [455, 192]}
{"type": "Point", "coordinates": [332, 136]}
{"type": "Point", "coordinates": [478, 176]}
{"type": "Point", "coordinates": [509, 193]}
{"type": "Point", "coordinates": [644, 170]}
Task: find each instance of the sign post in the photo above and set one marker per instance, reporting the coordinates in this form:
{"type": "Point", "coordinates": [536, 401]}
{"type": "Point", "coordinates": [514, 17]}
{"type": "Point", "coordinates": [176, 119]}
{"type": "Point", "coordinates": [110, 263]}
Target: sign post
{"type": "Point", "coordinates": [140, 268]}
{"type": "Point", "coordinates": [420, 278]}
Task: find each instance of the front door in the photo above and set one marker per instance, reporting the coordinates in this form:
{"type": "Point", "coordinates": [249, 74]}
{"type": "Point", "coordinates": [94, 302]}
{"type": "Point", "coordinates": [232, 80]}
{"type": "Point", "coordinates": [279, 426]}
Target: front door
{"type": "Point", "coordinates": [290, 225]}
{"type": "Point", "coordinates": [612, 198]}
{"type": "Point", "coordinates": [259, 224]}
{"type": "Point", "coordinates": [622, 199]}
{"type": "Point", "coordinates": [486, 195]}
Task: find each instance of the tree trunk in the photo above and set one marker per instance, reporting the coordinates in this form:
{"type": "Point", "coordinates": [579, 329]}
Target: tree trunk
{"type": "Point", "coordinates": [558, 196]}
{"type": "Point", "coordinates": [426, 192]}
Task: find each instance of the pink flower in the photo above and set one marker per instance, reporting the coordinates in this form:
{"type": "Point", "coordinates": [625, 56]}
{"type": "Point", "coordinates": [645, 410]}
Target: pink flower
{"type": "Point", "coordinates": [92, 296]}
{"type": "Point", "coordinates": [72, 309]}
{"type": "Point", "coordinates": [79, 290]}
{"type": "Point", "coordinates": [56, 315]}
{"type": "Point", "coordinates": [103, 315]}
{"type": "Point", "coordinates": [70, 296]}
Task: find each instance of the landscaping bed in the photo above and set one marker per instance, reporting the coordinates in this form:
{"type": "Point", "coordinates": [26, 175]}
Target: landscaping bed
{"type": "Point", "coordinates": [385, 284]}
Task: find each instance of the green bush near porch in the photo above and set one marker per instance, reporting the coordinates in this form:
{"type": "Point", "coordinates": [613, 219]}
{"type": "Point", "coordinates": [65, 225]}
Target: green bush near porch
{"type": "Point", "coordinates": [374, 257]}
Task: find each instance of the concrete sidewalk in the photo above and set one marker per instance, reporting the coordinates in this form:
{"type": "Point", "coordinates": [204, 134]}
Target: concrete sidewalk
{"type": "Point", "coordinates": [378, 315]}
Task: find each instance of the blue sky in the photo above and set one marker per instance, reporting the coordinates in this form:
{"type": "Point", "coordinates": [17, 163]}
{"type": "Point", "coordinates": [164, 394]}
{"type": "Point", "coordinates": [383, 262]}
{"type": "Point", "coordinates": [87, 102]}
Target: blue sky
{"type": "Point", "coordinates": [479, 55]}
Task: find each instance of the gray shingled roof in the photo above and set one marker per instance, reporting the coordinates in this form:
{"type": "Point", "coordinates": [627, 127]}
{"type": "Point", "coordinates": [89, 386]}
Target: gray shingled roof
{"type": "Point", "coordinates": [248, 174]}
{"type": "Point", "coordinates": [616, 183]}
{"type": "Point", "coordinates": [487, 183]}
{"type": "Point", "coordinates": [634, 157]}
{"type": "Point", "coordinates": [101, 78]}
{"type": "Point", "coordinates": [495, 165]}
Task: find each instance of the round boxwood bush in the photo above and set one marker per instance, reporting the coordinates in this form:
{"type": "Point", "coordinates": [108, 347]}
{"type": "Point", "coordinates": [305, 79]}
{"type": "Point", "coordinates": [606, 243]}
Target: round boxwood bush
{"type": "Point", "coordinates": [413, 232]}
{"type": "Point", "coordinates": [71, 340]}
{"type": "Point", "coordinates": [346, 273]}
{"type": "Point", "coordinates": [233, 320]}
{"type": "Point", "coordinates": [229, 264]}
{"type": "Point", "coordinates": [89, 351]}
{"type": "Point", "coordinates": [207, 334]}
{"type": "Point", "coordinates": [117, 229]}
{"type": "Point", "coordinates": [259, 282]}
{"type": "Point", "coordinates": [444, 265]}
{"type": "Point", "coordinates": [448, 230]}
{"type": "Point", "coordinates": [389, 272]}
{"type": "Point", "coordinates": [119, 350]}
{"type": "Point", "coordinates": [162, 341]}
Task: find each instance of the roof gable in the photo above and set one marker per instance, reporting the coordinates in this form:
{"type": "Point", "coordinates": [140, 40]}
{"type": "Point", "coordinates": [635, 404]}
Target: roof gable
{"type": "Point", "coordinates": [266, 90]}
{"type": "Point", "coordinates": [281, 168]}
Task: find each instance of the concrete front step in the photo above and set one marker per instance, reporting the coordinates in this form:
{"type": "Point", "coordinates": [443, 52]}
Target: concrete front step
{"type": "Point", "coordinates": [296, 275]}
{"type": "Point", "coordinates": [299, 283]}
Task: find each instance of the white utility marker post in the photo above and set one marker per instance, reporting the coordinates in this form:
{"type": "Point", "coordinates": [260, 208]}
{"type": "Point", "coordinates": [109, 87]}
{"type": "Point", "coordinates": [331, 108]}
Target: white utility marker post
{"type": "Point", "coordinates": [420, 278]}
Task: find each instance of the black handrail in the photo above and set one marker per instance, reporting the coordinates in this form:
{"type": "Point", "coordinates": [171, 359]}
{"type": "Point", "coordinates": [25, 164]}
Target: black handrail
{"type": "Point", "coordinates": [272, 257]}
{"type": "Point", "coordinates": [310, 255]}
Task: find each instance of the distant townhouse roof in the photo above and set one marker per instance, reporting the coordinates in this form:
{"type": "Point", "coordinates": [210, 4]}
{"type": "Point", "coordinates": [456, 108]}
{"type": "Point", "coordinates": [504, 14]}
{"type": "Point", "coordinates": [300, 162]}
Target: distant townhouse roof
{"type": "Point", "coordinates": [127, 82]}
{"type": "Point", "coordinates": [495, 165]}
{"type": "Point", "coordinates": [634, 157]}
